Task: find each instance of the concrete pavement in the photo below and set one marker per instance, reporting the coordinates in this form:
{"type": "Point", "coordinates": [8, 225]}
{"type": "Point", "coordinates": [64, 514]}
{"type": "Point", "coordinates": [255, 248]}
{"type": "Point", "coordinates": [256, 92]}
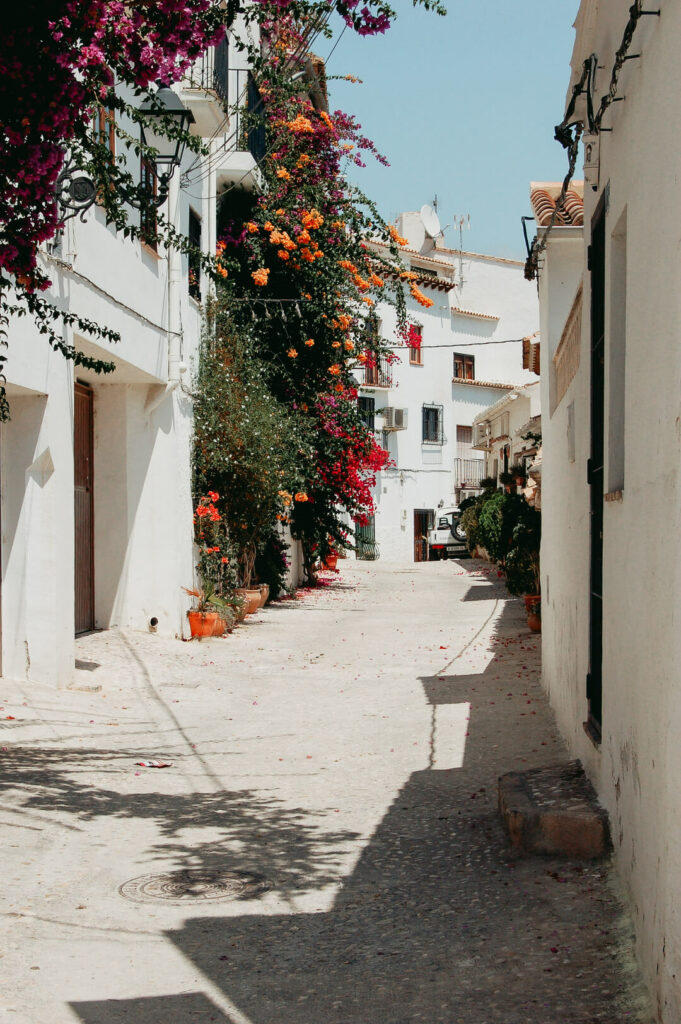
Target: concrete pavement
{"type": "Point", "coordinates": [333, 766]}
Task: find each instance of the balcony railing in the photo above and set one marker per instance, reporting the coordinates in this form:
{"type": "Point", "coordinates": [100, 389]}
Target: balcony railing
{"type": "Point", "coordinates": [211, 71]}
{"type": "Point", "coordinates": [468, 472]}
{"type": "Point", "coordinates": [378, 374]}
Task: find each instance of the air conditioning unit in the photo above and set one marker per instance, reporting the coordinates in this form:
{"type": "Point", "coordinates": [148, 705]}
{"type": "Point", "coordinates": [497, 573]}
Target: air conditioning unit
{"type": "Point", "coordinates": [395, 419]}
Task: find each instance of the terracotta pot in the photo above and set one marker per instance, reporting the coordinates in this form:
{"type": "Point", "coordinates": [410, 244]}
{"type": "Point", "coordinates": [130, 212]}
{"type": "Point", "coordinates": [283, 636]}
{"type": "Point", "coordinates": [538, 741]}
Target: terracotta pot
{"type": "Point", "coordinates": [251, 596]}
{"type": "Point", "coordinates": [534, 622]}
{"type": "Point", "coordinates": [330, 562]}
{"type": "Point", "coordinates": [264, 594]}
{"type": "Point", "coordinates": [206, 623]}
{"type": "Point", "coordinates": [531, 599]}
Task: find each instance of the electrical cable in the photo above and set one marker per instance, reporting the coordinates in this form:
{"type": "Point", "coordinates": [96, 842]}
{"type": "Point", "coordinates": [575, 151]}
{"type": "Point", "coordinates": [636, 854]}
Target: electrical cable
{"type": "Point", "coordinates": [570, 140]}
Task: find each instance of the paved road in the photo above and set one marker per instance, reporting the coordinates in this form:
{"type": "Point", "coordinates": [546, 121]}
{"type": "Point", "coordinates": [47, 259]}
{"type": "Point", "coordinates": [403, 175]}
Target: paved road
{"type": "Point", "coordinates": [334, 763]}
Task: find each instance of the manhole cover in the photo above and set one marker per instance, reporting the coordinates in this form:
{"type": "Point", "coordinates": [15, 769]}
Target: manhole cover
{"type": "Point", "coordinates": [193, 886]}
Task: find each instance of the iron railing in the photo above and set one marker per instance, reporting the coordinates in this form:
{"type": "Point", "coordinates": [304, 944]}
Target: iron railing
{"type": "Point", "coordinates": [378, 373]}
{"type": "Point", "coordinates": [211, 71]}
{"type": "Point", "coordinates": [468, 472]}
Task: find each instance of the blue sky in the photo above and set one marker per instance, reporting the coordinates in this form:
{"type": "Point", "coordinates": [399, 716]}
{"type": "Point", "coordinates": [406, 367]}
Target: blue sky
{"type": "Point", "coordinates": [463, 107]}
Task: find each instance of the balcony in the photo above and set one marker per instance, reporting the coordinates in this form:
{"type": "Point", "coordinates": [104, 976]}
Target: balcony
{"type": "Point", "coordinates": [246, 146]}
{"type": "Point", "coordinates": [468, 472]}
{"type": "Point", "coordinates": [204, 90]}
{"type": "Point", "coordinates": [378, 374]}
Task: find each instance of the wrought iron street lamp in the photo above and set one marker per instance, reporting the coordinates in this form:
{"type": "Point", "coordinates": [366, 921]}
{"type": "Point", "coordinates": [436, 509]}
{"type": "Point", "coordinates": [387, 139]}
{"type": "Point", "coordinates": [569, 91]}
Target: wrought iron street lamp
{"type": "Point", "coordinates": [76, 192]}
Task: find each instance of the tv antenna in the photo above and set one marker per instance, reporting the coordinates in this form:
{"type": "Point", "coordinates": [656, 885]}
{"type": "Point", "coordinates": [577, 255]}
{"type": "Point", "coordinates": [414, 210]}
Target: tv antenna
{"type": "Point", "coordinates": [462, 222]}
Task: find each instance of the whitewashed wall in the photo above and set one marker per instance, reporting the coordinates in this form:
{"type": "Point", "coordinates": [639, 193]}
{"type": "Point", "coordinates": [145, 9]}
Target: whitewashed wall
{"type": "Point", "coordinates": [142, 445]}
{"type": "Point", "coordinates": [423, 475]}
{"type": "Point", "coordinates": [637, 767]}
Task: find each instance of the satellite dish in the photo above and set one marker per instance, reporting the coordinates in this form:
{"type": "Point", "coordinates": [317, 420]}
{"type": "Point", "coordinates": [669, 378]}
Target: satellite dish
{"type": "Point", "coordinates": [431, 221]}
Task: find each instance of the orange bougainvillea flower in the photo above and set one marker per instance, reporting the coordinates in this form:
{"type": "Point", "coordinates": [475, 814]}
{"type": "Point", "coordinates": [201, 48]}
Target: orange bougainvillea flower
{"type": "Point", "coordinates": [311, 219]}
{"type": "Point", "coordinates": [291, 353]}
{"type": "Point", "coordinates": [280, 212]}
{"type": "Point", "coordinates": [420, 297]}
{"type": "Point", "coordinates": [309, 342]}
{"type": "Point", "coordinates": [347, 146]}
{"type": "Point", "coordinates": [252, 227]}
{"type": "Point", "coordinates": [335, 344]}
{"type": "Point", "coordinates": [300, 496]}
{"type": "Point", "coordinates": [376, 280]}
{"type": "Point", "coordinates": [268, 225]}
{"type": "Point", "coordinates": [303, 160]}
{"type": "Point", "coordinates": [260, 276]}
{"type": "Point", "coordinates": [283, 174]}
{"type": "Point", "coordinates": [395, 236]}
{"type": "Point", "coordinates": [326, 119]}
{"type": "Point", "coordinates": [349, 345]}
{"type": "Point", "coordinates": [300, 124]}
{"type": "Point", "coordinates": [347, 265]}
{"type": "Point", "coordinates": [282, 254]}
{"type": "Point", "coordinates": [370, 302]}
{"type": "Point", "coordinates": [307, 295]}
{"type": "Point", "coordinates": [335, 369]}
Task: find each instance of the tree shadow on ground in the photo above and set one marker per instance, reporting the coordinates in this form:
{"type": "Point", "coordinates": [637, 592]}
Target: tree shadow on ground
{"type": "Point", "coordinates": [439, 923]}
{"type": "Point", "coordinates": [246, 830]}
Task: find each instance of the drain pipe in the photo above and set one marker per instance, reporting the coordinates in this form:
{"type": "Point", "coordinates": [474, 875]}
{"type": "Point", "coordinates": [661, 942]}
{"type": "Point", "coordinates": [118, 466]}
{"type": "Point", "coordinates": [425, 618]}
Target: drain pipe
{"type": "Point", "coordinates": [174, 286]}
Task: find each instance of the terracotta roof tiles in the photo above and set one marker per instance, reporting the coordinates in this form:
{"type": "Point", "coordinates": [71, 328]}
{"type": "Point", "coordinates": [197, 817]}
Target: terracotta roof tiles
{"type": "Point", "coordinates": [543, 196]}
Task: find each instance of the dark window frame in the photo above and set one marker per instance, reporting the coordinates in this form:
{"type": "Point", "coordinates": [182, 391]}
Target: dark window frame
{"type": "Point", "coordinates": [194, 259]}
{"type": "Point", "coordinates": [149, 213]}
{"type": "Point", "coordinates": [366, 408]}
{"type": "Point", "coordinates": [466, 364]}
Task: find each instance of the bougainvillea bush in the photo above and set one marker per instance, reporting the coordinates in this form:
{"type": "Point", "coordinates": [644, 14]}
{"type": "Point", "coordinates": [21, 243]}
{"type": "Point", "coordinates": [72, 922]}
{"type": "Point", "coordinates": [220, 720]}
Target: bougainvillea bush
{"type": "Point", "coordinates": [302, 280]}
{"type": "Point", "coordinates": [64, 61]}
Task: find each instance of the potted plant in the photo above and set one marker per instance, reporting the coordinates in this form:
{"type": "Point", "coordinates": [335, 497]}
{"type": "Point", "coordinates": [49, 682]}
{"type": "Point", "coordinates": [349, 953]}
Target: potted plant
{"type": "Point", "coordinates": [507, 478]}
{"type": "Point", "coordinates": [519, 474]}
{"type": "Point", "coordinates": [533, 606]}
{"type": "Point", "coordinates": [213, 615]}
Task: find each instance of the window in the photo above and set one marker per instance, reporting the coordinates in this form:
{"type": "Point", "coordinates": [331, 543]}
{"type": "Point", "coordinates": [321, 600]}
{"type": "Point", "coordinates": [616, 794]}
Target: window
{"type": "Point", "coordinates": [464, 366]}
{"type": "Point", "coordinates": [415, 343]}
{"type": "Point", "coordinates": [366, 407]}
{"type": "Point", "coordinates": [194, 258]}
{"type": "Point", "coordinates": [148, 215]}
{"type": "Point", "coordinates": [106, 129]}
{"type": "Point", "coordinates": [432, 424]}
{"type": "Point", "coordinates": [424, 271]}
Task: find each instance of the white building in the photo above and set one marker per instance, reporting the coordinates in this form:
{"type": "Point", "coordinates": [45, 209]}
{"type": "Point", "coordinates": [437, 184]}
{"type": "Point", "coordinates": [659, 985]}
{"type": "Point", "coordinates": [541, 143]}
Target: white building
{"type": "Point", "coordinates": [95, 470]}
{"type": "Point", "coordinates": [508, 432]}
{"type": "Point", "coordinates": [467, 353]}
{"type": "Point", "coordinates": [611, 365]}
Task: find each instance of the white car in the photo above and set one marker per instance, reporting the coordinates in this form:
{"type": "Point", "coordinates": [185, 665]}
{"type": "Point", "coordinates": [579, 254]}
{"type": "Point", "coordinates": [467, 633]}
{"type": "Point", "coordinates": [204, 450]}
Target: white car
{"type": "Point", "coordinates": [447, 538]}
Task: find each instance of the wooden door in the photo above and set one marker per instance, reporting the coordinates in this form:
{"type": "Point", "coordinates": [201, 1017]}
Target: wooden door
{"type": "Point", "coordinates": [594, 684]}
{"type": "Point", "coordinates": [423, 520]}
{"type": "Point", "coordinates": [83, 444]}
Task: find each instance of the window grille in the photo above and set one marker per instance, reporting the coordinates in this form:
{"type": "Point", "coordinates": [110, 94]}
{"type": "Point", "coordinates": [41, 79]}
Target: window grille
{"type": "Point", "coordinates": [432, 424]}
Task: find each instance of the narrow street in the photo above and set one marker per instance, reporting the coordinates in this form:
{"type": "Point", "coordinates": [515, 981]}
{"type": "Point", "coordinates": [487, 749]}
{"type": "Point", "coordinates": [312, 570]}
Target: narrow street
{"type": "Point", "coordinates": [339, 755]}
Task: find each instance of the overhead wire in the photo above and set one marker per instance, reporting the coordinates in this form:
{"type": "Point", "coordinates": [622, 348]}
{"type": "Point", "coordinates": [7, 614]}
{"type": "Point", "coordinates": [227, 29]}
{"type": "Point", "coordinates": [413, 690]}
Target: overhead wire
{"type": "Point", "coordinates": [570, 140]}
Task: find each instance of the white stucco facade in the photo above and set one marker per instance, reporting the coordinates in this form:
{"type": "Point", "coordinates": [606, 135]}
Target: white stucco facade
{"type": "Point", "coordinates": [501, 432]}
{"type": "Point", "coordinates": [480, 303]}
{"type": "Point", "coordinates": [636, 763]}
{"type": "Point", "coordinates": [141, 502]}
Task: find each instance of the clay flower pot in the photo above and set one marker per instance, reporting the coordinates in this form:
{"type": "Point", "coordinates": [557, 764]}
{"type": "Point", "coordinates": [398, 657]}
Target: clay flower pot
{"type": "Point", "coordinates": [251, 596]}
{"type": "Point", "coordinates": [533, 608]}
{"type": "Point", "coordinates": [206, 624]}
{"type": "Point", "coordinates": [330, 562]}
{"type": "Point", "coordinates": [264, 594]}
